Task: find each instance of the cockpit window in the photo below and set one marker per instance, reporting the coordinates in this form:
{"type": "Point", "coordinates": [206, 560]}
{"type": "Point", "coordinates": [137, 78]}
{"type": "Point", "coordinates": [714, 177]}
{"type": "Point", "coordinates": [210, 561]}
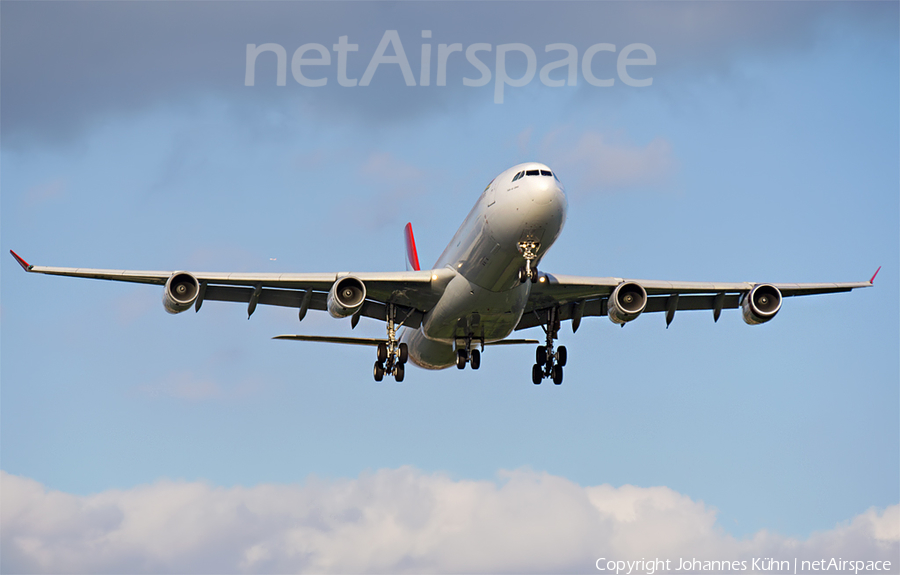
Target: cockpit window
{"type": "Point", "coordinates": [534, 173]}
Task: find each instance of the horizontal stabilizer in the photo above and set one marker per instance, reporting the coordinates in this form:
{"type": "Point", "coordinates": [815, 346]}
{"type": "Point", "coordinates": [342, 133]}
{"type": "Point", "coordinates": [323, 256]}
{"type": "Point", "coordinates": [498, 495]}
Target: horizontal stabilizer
{"type": "Point", "coordinates": [326, 339]}
{"type": "Point", "coordinates": [375, 341]}
{"type": "Point", "coordinates": [512, 342]}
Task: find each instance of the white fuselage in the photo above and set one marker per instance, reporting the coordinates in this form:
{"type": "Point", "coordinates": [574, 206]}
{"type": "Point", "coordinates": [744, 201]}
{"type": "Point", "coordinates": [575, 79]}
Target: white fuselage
{"type": "Point", "coordinates": [484, 298]}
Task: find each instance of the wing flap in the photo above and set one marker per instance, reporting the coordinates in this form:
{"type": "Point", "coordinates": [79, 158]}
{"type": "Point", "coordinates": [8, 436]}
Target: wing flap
{"type": "Point", "coordinates": [695, 298]}
{"type": "Point", "coordinates": [561, 289]}
{"type": "Point", "coordinates": [691, 302]}
{"type": "Point", "coordinates": [407, 316]}
{"type": "Point", "coordinates": [268, 296]}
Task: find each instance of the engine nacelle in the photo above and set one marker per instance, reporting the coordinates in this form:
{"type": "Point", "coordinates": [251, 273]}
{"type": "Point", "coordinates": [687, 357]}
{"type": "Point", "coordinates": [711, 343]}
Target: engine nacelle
{"type": "Point", "coordinates": [181, 292]}
{"type": "Point", "coordinates": [761, 304]}
{"type": "Point", "coordinates": [627, 302]}
{"type": "Point", "coordinates": [346, 297]}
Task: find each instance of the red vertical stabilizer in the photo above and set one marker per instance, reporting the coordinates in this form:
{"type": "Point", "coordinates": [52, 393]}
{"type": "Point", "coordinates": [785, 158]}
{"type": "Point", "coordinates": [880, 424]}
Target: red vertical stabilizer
{"type": "Point", "coordinates": [412, 258]}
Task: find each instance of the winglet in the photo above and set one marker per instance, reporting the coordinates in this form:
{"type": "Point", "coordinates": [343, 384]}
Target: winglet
{"type": "Point", "coordinates": [25, 265]}
{"type": "Point", "coordinates": [875, 274]}
{"type": "Point", "coordinates": [412, 257]}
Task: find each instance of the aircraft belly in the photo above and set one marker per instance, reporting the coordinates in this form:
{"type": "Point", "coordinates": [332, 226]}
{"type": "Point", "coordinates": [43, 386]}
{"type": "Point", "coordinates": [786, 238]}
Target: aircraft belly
{"type": "Point", "coordinates": [467, 309]}
{"type": "Point", "coordinates": [427, 353]}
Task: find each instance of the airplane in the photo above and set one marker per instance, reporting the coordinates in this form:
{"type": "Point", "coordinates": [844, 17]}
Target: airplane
{"type": "Point", "coordinates": [484, 286]}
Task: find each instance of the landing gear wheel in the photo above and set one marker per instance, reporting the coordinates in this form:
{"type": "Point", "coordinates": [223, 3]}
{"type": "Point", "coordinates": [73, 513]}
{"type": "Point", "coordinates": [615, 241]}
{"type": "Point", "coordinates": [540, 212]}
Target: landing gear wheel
{"type": "Point", "coordinates": [540, 355]}
{"type": "Point", "coordinates": [399, 372]}
{"type": "Point", "coordinates": [561, 356]}
{"type": "Point", "coordinates": [461, 359]}
{"type": "Point", "coordinates": [382, 352]}
{"type": "Point", "coordinates": [534, 275]}
{"type": "Point", "coordinates": [537, 374]}
{"type": "Point", "coordinates": [475, 360]}
{"type": "Point", "coordinates": [557, 374]}
{"type": "Point", "coordinates": [523, 275]}
{"type": "Point", "coordinates": [379, 371]}
{"type": "Point", "coordinates": [403, 353]}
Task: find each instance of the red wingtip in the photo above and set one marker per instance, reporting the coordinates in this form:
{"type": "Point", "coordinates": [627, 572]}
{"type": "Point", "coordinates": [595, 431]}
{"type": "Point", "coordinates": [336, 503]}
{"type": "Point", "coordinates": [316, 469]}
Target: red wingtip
{"type": "Point", "coordinates": [412, 257]}
{"type": "Point", "coordinates": [23, 263]}
{"type": "Point", "coordinates": [875, 274]}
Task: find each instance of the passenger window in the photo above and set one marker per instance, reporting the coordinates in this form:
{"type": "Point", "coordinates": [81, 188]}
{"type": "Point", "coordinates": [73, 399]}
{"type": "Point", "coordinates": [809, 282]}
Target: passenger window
{"type": "Point", "coordinates": [533, 173]}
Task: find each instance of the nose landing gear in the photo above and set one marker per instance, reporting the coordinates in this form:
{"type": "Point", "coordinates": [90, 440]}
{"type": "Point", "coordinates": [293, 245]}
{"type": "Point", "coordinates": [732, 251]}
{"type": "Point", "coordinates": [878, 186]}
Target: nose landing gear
{"type": "Point", "coordinates": [528, 273]}
{"type": "Point", "coordinates": [528, 249]}
{"type": "Point", "coordinates": [547, 362]}
{"type": "Point", "coordinates": [391, 358]}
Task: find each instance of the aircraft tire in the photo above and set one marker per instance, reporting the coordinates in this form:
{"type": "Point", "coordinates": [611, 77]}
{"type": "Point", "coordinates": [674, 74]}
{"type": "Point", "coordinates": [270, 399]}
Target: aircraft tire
{"type": "Point", "coordinates": [557, 374]}
{"type": "Point", "coordinates": [460, 359]}
{"type": "Point", "coordinates": [404, 353]}
{"type": "Point", "coordinates": [561, 356]}
{"type": "Point", "coordinates": [399, 373]}
{"type": "Point", "coordinates": [537, 374]}
{"type": "Point", "coordinates": [382, 352]}
{"type": "Point", "coordinates": [475, 360]}
{"type": "Point", "coordinates": [540, 355]}
{"type": "Point", "coordinates": [378, 371]}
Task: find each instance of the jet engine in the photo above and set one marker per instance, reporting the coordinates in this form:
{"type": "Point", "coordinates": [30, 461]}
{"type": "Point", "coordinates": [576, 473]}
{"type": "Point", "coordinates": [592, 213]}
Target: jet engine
{"type": "Point", "coordinates": [181, 292]}
{"type": "Point", "coordinates": [346, 297]}
{"type": "Point", "coordinates": [627, 302]}
{"type": "Point", "coordinates": [761, 304]}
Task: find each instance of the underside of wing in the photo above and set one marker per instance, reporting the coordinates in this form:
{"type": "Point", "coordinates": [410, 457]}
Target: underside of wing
{"type": "Point", "coordinates": [623, 300]}
{"type": "Point", "coordinates": [365, 294]}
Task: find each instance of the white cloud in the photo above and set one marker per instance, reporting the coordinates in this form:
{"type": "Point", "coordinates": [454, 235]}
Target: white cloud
{"type": "Point", "coordinates": [45, 192]}
{"type": "Point", "coordinates": [190, 386]}
{"type": "Point", "coordinates": [386, 167]}
{"type": "Point", "coordinates": [601, 162]}
{"type": "Point", "coordinates": [391, 184]}
{"type": "Point", "coordinates": [393, 520]}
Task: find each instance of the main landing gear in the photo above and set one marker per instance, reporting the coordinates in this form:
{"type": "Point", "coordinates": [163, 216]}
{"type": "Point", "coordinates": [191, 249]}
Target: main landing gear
{"type": "Point", "coordinates": [391, 355]}
{"type": "Point", "coordinates": [528, 249]}
{"type": "Point", "coordinates": [547, 362]}
{"type": "Point", "coordinates": [468, 355]}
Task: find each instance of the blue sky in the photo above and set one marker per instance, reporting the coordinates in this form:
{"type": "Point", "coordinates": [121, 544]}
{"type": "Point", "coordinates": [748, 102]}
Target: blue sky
{"type": "Point", "coordinates": [766, 149]}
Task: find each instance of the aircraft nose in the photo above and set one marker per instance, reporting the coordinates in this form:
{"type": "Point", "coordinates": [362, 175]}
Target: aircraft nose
{"type": "Point", "coordinates": [545, 191]}
{"type": "Point", "coordinates": [547, 204]}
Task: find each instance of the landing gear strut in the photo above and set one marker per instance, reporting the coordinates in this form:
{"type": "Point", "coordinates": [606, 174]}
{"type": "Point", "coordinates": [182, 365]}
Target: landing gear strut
{"type": "Point", "coordinates": [392, 356]}
{"type": "Point", "coordinates": [528, 249]}
{"type": "Point", "coordinates": [547, 362]}
{"type": "Point", "coordinates": [468, 355]}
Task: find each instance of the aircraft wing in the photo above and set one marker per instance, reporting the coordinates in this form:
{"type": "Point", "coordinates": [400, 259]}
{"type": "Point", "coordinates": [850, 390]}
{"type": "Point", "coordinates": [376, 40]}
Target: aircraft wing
{"type": "Point", "coordinates": [575, 297]}
{"type": "Point", "coordinates": [410, 291]}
